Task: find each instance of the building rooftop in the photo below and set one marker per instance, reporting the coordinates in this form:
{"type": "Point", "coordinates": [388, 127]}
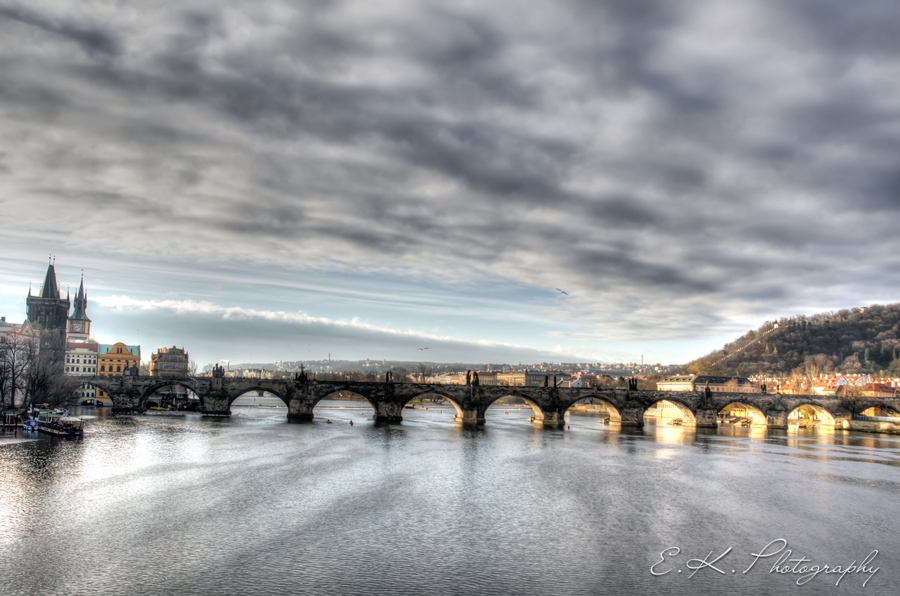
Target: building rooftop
{"type": "Point", "coordinates": [105, 348]}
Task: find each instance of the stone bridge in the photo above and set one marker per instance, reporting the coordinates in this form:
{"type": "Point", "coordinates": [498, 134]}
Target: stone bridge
{"type": "Point", "coordinates": [130, 394]}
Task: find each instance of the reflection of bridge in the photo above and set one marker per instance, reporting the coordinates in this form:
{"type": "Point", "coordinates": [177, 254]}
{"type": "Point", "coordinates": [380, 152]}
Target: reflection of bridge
{"type": "Point", "coordinates": [131, 393]}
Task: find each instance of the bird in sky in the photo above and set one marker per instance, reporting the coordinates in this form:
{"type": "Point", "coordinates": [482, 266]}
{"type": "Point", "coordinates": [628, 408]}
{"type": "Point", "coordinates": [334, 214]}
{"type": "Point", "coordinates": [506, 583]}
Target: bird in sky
{"type": "Point", "coordinates": [421, 348]}
{"type": "Point", "coordinates": [562, 291]}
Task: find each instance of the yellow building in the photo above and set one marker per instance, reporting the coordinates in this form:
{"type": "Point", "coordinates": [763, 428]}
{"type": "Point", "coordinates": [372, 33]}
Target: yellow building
{"type": "Point", "coordinates": [112, 359]}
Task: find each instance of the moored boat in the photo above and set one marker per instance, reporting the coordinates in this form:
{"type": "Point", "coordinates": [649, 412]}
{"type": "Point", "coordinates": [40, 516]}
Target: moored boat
{"type": "Point", "coordinates": [58, 422]}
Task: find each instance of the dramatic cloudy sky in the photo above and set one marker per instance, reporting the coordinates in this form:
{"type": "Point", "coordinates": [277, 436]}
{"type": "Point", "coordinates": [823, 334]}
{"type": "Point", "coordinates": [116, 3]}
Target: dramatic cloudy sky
{"type": "Point", "coordinates": [286, 179]}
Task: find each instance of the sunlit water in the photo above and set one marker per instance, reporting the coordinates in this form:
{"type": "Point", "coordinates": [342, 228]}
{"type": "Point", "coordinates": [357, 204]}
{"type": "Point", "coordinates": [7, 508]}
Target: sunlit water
{"type": "Point", "coordinates": [255, 505]}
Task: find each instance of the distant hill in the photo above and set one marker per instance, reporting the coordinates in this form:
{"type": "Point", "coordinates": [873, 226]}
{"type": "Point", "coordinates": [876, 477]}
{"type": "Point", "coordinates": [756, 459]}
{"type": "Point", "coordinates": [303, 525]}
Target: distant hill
{"type": "Point", "coordinates": [858, 340]}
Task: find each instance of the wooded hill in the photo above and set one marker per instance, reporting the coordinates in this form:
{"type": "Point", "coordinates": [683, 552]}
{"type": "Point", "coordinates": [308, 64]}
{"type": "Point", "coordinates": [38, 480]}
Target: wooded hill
{"type": "Point", "coordinates": [858, 340]}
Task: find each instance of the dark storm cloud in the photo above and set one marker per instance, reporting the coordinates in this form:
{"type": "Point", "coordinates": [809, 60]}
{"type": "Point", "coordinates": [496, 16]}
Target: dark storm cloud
{"type": "Point", "coordinates": [674, 164]}
{"type": "Point", "coordinates": [92, 40]}
{"type": "Point", "coordinates": [870, 30]}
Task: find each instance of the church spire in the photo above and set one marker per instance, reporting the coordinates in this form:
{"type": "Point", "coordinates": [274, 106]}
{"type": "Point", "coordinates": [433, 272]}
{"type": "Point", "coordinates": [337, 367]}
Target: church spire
{"type": "Point", "coordinates": [80, 312]}
{"type": "Point", "coordinates": [50, 289]}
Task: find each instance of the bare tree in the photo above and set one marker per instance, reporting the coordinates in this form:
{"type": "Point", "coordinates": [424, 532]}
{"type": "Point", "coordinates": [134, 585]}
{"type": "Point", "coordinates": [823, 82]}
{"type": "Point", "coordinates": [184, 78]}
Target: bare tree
{"type": "Point", "coordinates": [13, 366]}
{"type": "Point", "coordinates": [35, 370]}
{"type": "Point", "coordinates": [422, 373]}
{"type": "Point", "coordinates": [400, 374]}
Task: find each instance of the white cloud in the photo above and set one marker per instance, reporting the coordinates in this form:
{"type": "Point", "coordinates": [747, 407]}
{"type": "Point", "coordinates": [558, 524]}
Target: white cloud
{"type": "Point", "coordinates": [209, 309]}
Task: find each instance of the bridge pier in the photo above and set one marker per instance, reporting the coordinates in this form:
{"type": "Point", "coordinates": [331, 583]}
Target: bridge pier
{"type": "Point", "coordinates": [553, 419]}
{"type": "Point", "coordinates": [126, 403]}
{"type": "Point", "coordinates": [215, 405]}
{"type": "Point", "coordinates": [300, 410]}
{"type": "Point", "coordinates": [633, 416]}
{"type": "Point", "coordinates": [472, 417]}
{"type": "Point", "coordinates": [777, 419]}
{"type": "Point", "coordinates": [707, 418]}
{"type": "Point", "coordinates": [388, 412]}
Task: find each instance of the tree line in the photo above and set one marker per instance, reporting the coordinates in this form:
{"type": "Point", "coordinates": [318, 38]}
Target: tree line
{"type": "Point", "coordinates": [863, 340]}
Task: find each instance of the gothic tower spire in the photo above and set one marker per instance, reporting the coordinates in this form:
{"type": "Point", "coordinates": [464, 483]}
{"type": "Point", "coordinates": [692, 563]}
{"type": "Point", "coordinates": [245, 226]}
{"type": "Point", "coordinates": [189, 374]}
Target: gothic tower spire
{"type": "Point", "coordinates": [79, 322]}
{"type": "Point", "coordinates": [50, 289]}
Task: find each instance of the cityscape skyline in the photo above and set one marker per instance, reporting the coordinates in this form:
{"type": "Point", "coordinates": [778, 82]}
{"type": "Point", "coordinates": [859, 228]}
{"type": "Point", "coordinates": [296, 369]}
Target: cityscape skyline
{"type": "Point", "coordinates": [584, 182]}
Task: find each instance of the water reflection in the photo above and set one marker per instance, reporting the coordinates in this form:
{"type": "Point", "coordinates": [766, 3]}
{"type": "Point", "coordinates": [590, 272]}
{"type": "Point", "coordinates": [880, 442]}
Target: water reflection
{"type": "Point", "coordinates": [255, 505]}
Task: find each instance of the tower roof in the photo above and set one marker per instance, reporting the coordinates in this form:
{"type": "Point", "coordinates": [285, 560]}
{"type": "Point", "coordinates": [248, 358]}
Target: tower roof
{"type": "Point", "coordinates": [80, 304]}
{"type": "Point", "coordinates": [50, 289]}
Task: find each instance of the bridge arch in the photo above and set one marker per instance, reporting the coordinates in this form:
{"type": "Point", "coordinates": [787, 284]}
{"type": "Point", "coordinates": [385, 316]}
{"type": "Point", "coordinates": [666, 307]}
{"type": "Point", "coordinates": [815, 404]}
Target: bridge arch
{"type": "Point", "coordinates": [338, 391]}
{"type": "Point", "coordinates": [538, 412]}
{"type": "Point", "coordinates": [456, 405]}
{"type": "Point", "coordinates": [742, 411]}
{"type": "Point", "coordinates": [880, 410]}
{"type": "Point", "coordinates": [243, 392]}
{"type": "Point", "coordinates": [107, 389]}
{"type": "Point", "coordinates": [810, 415]}
{"type": "Point", "coordinates": [682, 413]}
{"type": "Point", "coordinates": [615, 415]}
{"type": "Point", "coordinates": [186, 384]}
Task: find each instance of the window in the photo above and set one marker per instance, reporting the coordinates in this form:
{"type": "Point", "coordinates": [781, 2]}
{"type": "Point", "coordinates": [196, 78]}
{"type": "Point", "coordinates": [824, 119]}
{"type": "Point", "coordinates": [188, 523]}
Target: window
{"type": "Point", "coordinates": [118, 369]}
{"type": "Point", "coordinates": [102, 368]}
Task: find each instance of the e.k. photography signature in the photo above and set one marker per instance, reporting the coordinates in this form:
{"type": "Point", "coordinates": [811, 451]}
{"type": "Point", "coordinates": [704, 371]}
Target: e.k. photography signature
{"type": "Point", "coordinates": [786, 563]}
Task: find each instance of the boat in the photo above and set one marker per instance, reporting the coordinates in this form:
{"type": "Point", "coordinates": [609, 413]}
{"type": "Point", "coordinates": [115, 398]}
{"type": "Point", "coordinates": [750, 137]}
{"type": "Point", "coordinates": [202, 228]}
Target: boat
{"type": "Point", "coordinates": [58, 422]}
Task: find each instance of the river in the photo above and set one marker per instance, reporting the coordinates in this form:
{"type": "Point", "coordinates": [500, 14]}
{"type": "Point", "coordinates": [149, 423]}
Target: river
{"type": "Point", "coordinates": [251, 504]}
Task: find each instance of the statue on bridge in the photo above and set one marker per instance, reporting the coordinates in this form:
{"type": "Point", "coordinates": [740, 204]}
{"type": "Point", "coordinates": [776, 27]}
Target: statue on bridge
{"type": "Point", "coordinates": [218, 371]}
{"type": "Point", "coordinates": [301, 377]}
{"type": "Point", "coordinates": [131, 370]}
{"type": "Point", "coordinates": [707, 393]}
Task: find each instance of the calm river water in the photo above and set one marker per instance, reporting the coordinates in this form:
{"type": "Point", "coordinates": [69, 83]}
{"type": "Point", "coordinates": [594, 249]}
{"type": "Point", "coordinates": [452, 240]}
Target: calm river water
{"type": "Point", "coordinates": [255, 505]}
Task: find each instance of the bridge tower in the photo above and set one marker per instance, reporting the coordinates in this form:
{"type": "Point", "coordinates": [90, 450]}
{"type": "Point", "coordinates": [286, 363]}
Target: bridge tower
{"type": "Point", "coordinates": [49, 312]}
